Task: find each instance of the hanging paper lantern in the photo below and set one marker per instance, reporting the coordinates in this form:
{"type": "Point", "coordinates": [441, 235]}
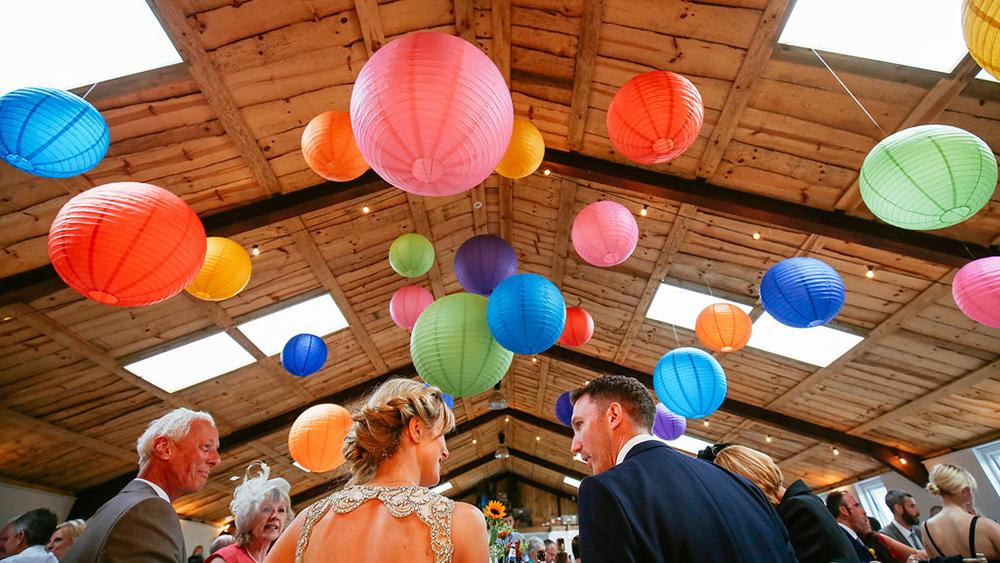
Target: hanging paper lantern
{"type": "Point", "coordinates": [127, 244]}
{"type": "Point", "coordinates": [452, 347]}
{"type": "Point", "coordinates": [564, 409]}
{"type": "Point", "coordinates": [802, 292]}
{"type": "Point", "coordinates": [448, 399]}
{"type": "Point", "coordinates": [526, 313]}
{"type": "Point", "coordinates": [723, 327]}
{"type": "Point", "coordinates": [303, 354]}
{"type": "Point", "coordinates": [981, 27]}
{"type": "Point", "coordinates": [667, 425]}
{"type": "Point", "coordinates": [51, 133]}
{"type": "Point", "coordinates": [432, 114]}
{"type": "Point", "coordinates": [579, 327]}
{"type": "Point", "coordinates": [976, 290]}
{"type": "Point", "coordinates": [484, 261]}
{"type": "Point", "coordinates": [329, 148]}
{"type": "Point", "coordinates": [525, 153]}
{"type": "Point", "coordinates": [411, 255]}
{"type": "Point", "coordinates": [605, 233]}
{"type": "Point", "coordinates": [655, 116]}
{"type": "Point", "coordinates": [316, 440]}
{"type": "Point", "coordinates": [407, 303]}
{"type": "Point", "coordinates": [928, 177]}
{"type": "Point", "coordinates": [225, 272]}
{"type": "Point", "coordinates": [689, 382]}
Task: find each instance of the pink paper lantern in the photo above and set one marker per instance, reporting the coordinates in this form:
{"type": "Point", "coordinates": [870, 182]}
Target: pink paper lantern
{"type": "Point", "coordinates": [407, 304]}
{"type": "Point", "coordinates": [605, 233]}
{"type": "Point", "coordinates": [976, 290]}
{"type": "Point", "coordinates": [432, 114]}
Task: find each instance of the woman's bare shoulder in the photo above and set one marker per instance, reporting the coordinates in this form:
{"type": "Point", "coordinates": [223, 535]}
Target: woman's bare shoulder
{"type": "Point", "coordinates": [469, 534]}
{"type": "Point", "coordinates": [467, 515]}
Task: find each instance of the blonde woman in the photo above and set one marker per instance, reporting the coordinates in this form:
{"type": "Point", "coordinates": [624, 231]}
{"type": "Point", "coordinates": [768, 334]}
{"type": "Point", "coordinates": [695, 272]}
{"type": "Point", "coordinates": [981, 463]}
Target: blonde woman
{"type": "Point", "coordinates": [262, 509]}
{"type": "Point", "coordinates": [64, 536]}
{"type": "Point", "coordinates": [956, 530]}
{"type": "Point", "coordinates": [395, 450]}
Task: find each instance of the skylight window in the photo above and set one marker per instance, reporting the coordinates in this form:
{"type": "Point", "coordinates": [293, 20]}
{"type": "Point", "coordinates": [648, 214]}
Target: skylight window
{"type": "Point", "coordinates": [689, 444]}
{"type": "Point", "coordinates": [440, 489]}
{"type": "Point", "coordinates": [192, 363]}
{"type": "Point", "coordinates": [680, 307]}
{"type": "Point", "coordinates": [819, 346]}
{"type": "Point", "coordinates": [319, 316]}
{"type": "Point", "coordinates": [70, 43]}
{"type": "Point", "coordinates": [918, 33]}
{"type": "Point", "coordinates": [571, 481]}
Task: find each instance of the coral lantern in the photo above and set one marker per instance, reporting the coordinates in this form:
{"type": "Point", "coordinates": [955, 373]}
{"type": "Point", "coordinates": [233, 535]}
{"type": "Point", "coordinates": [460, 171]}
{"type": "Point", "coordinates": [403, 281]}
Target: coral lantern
{"type": "Point", "coordinates": [723, 327]}
{"type": "Point", "coordinates": [316, 440]}
{"type": "Point", "coordinates": [127, 244]}
{"type": "Point", "coordinates": [981, 27]}
{"type": "Point", "coordinates": [225, 272]}
{"type": "Point", "coordinates": [407, 303]}
{"type": "Point", "coordinates": [329, 148]}
{"type": "Point", "coordinates": [432, 115]}
{"type": "Point", "coordinates": [605, 233]}
{"type": "Point", "coordinates": [525, 153]}
{"type": "Point", "coordinates": [579, 327]}
{"type": "Point", "coordinates": [655, 116]}
{"type": "Point", "coordinates": [976, 290]}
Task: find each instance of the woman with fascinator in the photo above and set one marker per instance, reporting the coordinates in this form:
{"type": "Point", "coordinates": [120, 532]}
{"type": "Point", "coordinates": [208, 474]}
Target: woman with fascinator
{"type": "Point", "coordinates": [262, 508]}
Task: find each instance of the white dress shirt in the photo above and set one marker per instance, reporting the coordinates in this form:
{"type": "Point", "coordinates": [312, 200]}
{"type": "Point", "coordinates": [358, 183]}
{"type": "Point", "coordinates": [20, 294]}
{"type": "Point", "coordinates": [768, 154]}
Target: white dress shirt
{"type": "Point", "coordinates": [633, 442]}
{"type": "Point", "coordinates": [156, 488]}
{"type": "Point", "coordinates": [851, 533]}
{"type": "Point", "coordinates": [910, 535]}
{"type": "Point", "coordinates": [34, 554]}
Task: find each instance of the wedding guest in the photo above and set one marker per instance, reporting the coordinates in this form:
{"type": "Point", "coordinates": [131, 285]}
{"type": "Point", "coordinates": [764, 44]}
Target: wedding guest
{"type": "Point", "coordinates": [562, 557]}
{"type": "Point", "coordinates": [905, 525]}
{"type": "Point", "coordinates": [395, 449]}
{"type": "Point", "coordinates": [176, 455]}
{"type": "Point", "coordinates": [64, 536]}
{"type": "Point", "coordinates": [630, 510]}
{"type": "Point", "coordinates": [550, 551]}
{"type": "Point", "coordinates": [535, 546]}
{"type": "Point", "coordinates": [853, 520]}
{"type": "Point", "coordinates": [956, 530]}
{"type": "Point", "coordinates": [4, 536]}
{"type": "Point", "coordinates": [221, 542]}
{"type": "Point", "coordinates": [575, 545]}
{"type": "Point", "coordinates": [27, 536]}
{"type": "Point", "coordinates": [197, 555]}
{"type": "Point", "coordinates": [262, 508]}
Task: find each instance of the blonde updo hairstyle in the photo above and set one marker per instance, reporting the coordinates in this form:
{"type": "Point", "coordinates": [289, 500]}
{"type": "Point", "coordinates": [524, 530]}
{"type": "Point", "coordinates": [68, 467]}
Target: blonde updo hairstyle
{"type": "Point", "coordinates": [756, 466]}
{"type": "Point", "coordinates": [948, 479]}
{"type": "Point", "coordinates": [379, 423]}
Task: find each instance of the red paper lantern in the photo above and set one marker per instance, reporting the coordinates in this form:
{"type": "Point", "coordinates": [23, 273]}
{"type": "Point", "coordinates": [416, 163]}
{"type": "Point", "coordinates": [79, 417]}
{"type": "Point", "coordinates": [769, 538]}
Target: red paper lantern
{"type": "Point", "coordinates": [329, 148]}
{"type": "Point", "coordinates": [579, 327]}
{"type": "Point", "coordinates": [127, 244]}
{"type": "Point", "coordinates": [655, 117]}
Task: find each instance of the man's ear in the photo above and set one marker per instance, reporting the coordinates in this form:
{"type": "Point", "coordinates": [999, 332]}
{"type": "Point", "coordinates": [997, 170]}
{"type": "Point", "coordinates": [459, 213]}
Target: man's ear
{"type": "Point", "coordinates": [163, 448]}
{"type": "Point", "coordinates": [616, 414]}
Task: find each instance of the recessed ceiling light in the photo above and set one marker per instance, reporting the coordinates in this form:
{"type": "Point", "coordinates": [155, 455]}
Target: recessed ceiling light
{"type": "Point", "coordinates": [191, 363]}
{"type": "Point", "coordinates": [318, 315]}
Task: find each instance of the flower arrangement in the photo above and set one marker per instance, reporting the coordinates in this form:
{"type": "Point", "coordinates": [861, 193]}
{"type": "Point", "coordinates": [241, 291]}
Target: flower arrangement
{"type": "Point", "coordinates": [504, 541]}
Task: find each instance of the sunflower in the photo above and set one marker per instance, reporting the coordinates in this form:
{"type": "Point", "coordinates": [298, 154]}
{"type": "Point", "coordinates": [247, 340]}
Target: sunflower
{"type": "Point", "coordinates": [495, 510]}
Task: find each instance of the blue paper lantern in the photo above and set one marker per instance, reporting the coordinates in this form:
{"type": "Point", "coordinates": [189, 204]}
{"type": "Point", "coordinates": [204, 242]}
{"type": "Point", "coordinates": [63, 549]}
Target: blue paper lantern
{"type": "Point", "coordinates": [51, 133]}
{"type": "Point", "coordinates": [526, 313]}
{"type": "Point", "coordinates": [802, 292]}
{"type": "Point", "coordinates": [564, 409]}
{"type": "Point", "coordinates": [303, 354]}
{"type": "Point", "coordinates": [484, 261]}
{"type": "Point", "coordinates": [689, 382]}
{"type": "Point", "coordinates": [667, 425]}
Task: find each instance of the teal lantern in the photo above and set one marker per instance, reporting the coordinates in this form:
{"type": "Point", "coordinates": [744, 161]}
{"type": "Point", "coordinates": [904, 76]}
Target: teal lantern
{"type": "Point", "coordinates": [928, 177]}
{"type": "Point", "coordinates": [453, 349]}
{"type": "Point", "coordinates": [411, 255]}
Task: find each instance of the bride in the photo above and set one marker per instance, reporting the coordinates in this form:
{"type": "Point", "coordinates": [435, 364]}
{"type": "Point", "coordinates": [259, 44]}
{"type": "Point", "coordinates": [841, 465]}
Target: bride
{"type": "Point", "coordinates": [386, 513]}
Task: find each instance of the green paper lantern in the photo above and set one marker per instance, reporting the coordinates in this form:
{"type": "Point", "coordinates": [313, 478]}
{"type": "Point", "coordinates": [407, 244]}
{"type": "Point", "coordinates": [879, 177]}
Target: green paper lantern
{"type": "Point", "coordinates": [411, 255]}
{"type": "Point", "coordinates": [452, 346]}
{"type": "Point", "coordinates": [928, 177]}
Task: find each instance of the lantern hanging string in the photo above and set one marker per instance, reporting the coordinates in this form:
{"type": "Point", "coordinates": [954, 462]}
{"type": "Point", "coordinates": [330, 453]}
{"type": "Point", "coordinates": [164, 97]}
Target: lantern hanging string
{"type": "Point", "coordinates": [677, 338]}
{"type": "Point", "coordinates": [848, 90]}
{"type": "Point", "coordinates": [89, 90]}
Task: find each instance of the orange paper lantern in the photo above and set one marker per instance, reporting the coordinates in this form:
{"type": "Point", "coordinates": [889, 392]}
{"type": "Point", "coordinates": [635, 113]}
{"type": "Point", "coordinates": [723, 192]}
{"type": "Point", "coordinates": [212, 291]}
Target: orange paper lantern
{"type": "Point", "coordinates": [723, 327]}
{"type": "Point", "coordinates": [127, 244]}
{"type": "Point", "coordinates": [329, 148]}
{"type": "Point", "coordinates": [316, 440]}
{"type": "Point", "coordinates": [655, 116]}
{"type": "Point", "coordinates": [579, 327]}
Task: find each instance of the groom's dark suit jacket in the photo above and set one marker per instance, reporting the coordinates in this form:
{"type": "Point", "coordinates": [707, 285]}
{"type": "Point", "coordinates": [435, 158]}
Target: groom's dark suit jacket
{"type": "Point", "coordinates": [659, 505]}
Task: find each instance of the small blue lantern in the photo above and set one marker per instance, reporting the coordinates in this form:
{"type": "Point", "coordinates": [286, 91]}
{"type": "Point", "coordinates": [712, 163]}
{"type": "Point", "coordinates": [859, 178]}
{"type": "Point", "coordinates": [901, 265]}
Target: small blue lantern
{"type": "Point", "coordinates": [689, 382]}
{"type": "Point", "coordinates": [51, 133]}
{"type": "Point", "coordinates": [526, 313]}
{"type": "Point", "coordinates": [802, 292]}
{"type": "Point", "coordinates": [303, 354]}
{"type": "Point", "coordinates": [564, 409]}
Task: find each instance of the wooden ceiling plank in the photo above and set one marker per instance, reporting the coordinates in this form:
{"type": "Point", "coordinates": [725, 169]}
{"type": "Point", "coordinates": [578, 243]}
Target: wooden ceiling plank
{"type": "Point", "coordinates": [37, 425]}
{"type": "Point", "coordinates": [500, 17]}
{"type": "Point", "coordinates": [371, 24]}
{"type": "Point", "coordinates": [744, 424]}
{"type": "Point", "coordinates": [757, 56]}
{"type": "Point", "coordinates": [505, 188]}
{"type": "Point", "coordinates": [422, 225]}
{"type": "Point", "coordinates": [543, 381]}
{"type": "Point", "coordinates": [480, 217]}
{"type": "Point", "coordinates": [465, 20]}
{"type": "Point", "coordinates": [801, 454]}
{"type": "Point", "coordinates": [560, 254]}
{"type": "Point", "coordinates": [583, 72]}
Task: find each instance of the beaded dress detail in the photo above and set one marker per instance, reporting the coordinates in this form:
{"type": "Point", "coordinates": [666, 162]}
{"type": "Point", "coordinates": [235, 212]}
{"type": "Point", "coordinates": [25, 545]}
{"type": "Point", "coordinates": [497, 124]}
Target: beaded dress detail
{"type": "Point", "coordinates": [431, 508]}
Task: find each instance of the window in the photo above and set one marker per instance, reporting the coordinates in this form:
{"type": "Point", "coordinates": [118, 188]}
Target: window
{"type": "Point", "coordinates": [689, 444]}
{"type": "Point", "coordinates": [188, 364]}
{"type": "Point", "coordinates": [318, 315]}
{"type": "Point", "coordinates": [679, 306]}
{"type": "Point", "coordinates": [571, 481]}
{"type": "Point", "coordinates": [989, 458]}
{"type": "Point", "coordinates": [440, 489]}
{"type": "Point", "coordinates": [871, 495]}
{"type": "Point", "coordinates": [819, 345]}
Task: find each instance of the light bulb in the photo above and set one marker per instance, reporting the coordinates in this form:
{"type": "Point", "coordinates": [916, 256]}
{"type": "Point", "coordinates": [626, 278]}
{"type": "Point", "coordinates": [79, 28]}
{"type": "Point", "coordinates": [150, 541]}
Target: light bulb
{"type": "Point", "coordinates": [546, 172]}
{"type": "Point", "coordinates": [643, 211]}
{"type": "Point", "coordinates": [836, 451]}
{"type": "Point", "coordinates": [768, 439]}
{"type": "Point", "coordinates": [255, 250]}
{"type": "Point", "coordinates": [756, 235]}
{"type": "Point", "coordinates": [365, 210]}
{"type": "Point", "coordinates": [870, 272]}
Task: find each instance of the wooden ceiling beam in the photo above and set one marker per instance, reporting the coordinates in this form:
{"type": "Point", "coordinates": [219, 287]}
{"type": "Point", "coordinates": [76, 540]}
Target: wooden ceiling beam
{"type": "Point", "coordinates": [371, 25]}
{"type": "Point", "coordinates": [500, 18]}
{"type": "Point", "coordinates": [422, 225]}
{"type": "Point", "coordinates": [32, 424]}
{"type": "Point", "coordinates": [516, 477]}
{"type": "Point", "coordinates": [583, 73]}
{"type": "Point", "coordinates": [465, 20]}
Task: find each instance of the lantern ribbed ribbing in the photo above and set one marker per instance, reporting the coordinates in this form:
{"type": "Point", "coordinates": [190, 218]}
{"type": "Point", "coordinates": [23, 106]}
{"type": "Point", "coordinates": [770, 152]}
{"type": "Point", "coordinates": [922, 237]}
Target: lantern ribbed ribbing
{"type": "Point", "coordinates": [976, 290]}
{"type": "Point", "coordinates": [329, 149]}
{"type": "Point", "coordinates": [655, 116]}
{"type": "Point", "coordinates": [407, 303]}
{"type": "Point", "coordinates": [579, 327]}
{"type": "Point", "coordinates": [802, 292]}
{"type": "Point", "coordinates": [316, 439]}
{"type": "Point", "coordinates": [981, 27]}
{"type": "Point", "coordinates": [723, 327]}
{"type": "Point", "coordinates": [484, 261]}
{"type": "Point", "coordinates": [689, 382]}
{"type": "Point", "coordinates": [605, 233]}
{"type": "Point", "coordinates": [225, 272]}
{"type": "Point", "coordinates": [411, 255]}
{"type": "Point", "coordinates": [432, 115]}
{"type": "Point", "coordinates": [304, 354]}
{"type": "Point", "coordinates": [526, 313]}
{"type": "Point", "coordinates": [667, 425]}
{"type": "Point", "coordinates": [525, 153]}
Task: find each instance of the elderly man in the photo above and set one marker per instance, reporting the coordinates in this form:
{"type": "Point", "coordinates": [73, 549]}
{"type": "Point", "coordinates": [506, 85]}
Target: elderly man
{"type": "Point", "coordinates": [26, 537]}
{"type": "Point", "coordinates": [176, 454]}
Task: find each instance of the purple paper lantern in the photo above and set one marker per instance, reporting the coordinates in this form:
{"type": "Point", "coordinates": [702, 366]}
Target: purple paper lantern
{"type": "Point", "coordinates": [564, 409]}
{"type": "Point", "coordinates": [667, 425]}
{"type": "Point", "coordinates": [484, 261]}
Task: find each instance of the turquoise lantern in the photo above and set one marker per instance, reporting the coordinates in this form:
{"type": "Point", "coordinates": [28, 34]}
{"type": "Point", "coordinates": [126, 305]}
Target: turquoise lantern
{"type": "Point", "coordinates": [689, 382]}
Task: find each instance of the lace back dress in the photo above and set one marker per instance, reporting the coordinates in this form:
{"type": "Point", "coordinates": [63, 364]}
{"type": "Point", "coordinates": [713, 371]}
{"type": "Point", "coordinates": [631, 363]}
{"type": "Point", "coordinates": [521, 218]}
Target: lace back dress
{"type": "Point", "coordinates": [431, 508]}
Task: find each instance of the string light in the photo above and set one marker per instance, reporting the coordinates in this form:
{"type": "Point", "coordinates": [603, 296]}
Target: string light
{"type": "Point", "coordinates": [836, 451]}
{"type": "Point", "coordinates": [365, 210]}
{"type": "Point", "coordinates": [902, 460]}
{"type": "Point", "coordinates": [546, 172]}
{"type": "Point", "coordinates": [644, 210]}
{"type": "Point", "coordinates": [768, 439]}
{"type": "Point", "coordinates": [538, 438]}
{"type": "Point", "coordinates": [756, 235]}
{"type": "Point", "coordinates": [870, 272]}
{"type": "Point", "coordinates": [506, 419]}
{"type": "Point", "coordinates": [255, 250]}
{"type": "Point", "coordinates": [706, 424]}
{"type": "Point", "coordinates": [534, 360]}
{"type": "Point", "coordinates": [474, 441]}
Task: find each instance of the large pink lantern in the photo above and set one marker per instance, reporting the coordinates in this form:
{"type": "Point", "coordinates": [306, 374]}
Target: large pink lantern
{"type": "Point", "coordinates": [605, 233]}
{"type": "Point", "coordinates": [407, 304]}
{"type": "Point", "coordinates": [431, 114]}
{"type": "Point", "coordinates": [976, 290]}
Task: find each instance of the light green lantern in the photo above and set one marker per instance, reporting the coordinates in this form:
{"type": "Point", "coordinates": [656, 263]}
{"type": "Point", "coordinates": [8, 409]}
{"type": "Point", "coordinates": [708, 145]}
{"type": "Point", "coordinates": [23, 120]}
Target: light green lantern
{"type": "Point", "coordinates": [928, 177]}
{"type": "Point", "coordinates": [452, 346]}
{"type": "Point", "coordinates": [411, 255]}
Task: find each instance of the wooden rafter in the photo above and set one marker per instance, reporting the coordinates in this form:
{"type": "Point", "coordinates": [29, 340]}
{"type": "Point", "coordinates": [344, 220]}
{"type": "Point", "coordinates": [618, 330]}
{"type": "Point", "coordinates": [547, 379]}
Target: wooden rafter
{"type": "Point", "coordinates": [500, 18]}
{"type": "Point", "coordinates": [422, 225]}
{"type": "Point", "coordinates": [505, 190]}
{"type": "Point", "coordinates": [583, 72]}
{"type": "Point", "coordinates": [465, 20]}
{"type": "Point", "coordinates": [32, 424]}
{"type": "Point", "coordinates": [514, 475]}
{"type": "Point", "coordinates": [480, 217]}
{"type": "Point", "coordinates": [371, 25]}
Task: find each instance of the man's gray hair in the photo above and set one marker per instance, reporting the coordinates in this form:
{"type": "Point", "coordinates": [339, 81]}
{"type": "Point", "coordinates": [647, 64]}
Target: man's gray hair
{"type": "Point", "coordinates": [174, 425]}
{"type": "Point", "coordinates": [254, 490]}
{"type": "Point", "coordinates": [535, 545]}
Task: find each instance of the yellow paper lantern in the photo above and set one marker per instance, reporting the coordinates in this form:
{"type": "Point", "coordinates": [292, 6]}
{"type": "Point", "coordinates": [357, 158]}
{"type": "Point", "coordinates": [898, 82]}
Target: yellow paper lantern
{"type": "Point", "coordinates": [981, 27]}
{"type": "Point", "coordinates": [316, 440]}
{"type": "Point", "coordinates": [525, 152]}
{"type": "Point", "coordinates": [225, 272]}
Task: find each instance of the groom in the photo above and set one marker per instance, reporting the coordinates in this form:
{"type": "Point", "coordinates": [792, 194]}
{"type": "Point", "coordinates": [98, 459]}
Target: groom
{"type": "Point", "coordinates": [648, 503]}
